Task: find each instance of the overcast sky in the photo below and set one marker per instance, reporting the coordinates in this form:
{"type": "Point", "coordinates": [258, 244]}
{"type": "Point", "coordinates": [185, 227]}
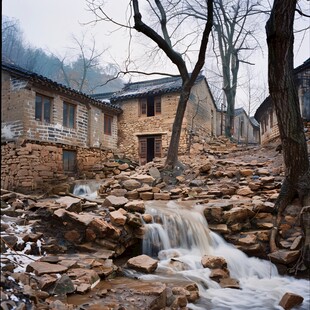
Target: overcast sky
{"type": "Point", "coordinates": [50, 24]}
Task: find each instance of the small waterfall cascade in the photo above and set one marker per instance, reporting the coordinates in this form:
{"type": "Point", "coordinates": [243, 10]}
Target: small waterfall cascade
{"type": "Point", "coordinates": [180, 234]}
{"type": "Point", "coordinates": [86, 189]}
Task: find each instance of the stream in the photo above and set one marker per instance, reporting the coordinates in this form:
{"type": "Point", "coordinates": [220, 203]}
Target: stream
{"type": "Point", "coordinates": [179, 233]}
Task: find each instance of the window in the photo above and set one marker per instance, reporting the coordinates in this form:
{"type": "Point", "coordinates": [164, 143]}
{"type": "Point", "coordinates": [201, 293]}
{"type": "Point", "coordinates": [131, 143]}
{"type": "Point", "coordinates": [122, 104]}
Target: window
{"type": "Point", "coordinates": [150, 106]}
{"type": "Point", "coordinates": [43, 108]}
{"type": "Point", "coordinates": [69, 161]}
{"type": "Point", "coordinates": [108, 124]}
{"type": "Point", "coordinates": [69, 115]}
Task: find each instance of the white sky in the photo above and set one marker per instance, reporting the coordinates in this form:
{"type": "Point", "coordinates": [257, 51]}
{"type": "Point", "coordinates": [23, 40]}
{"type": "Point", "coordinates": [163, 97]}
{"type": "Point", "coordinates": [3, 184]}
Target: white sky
{"type": "Point", "coordinates": [50, 24]}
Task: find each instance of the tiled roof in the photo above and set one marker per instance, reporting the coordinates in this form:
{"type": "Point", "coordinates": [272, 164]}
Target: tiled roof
{"type": "Point", "coordinates": [305, 65]}
{"type": "Point", "coordinates": [42, 80]}
{"type": "Point", "coordinates": [239, 111]}
{"type": "Point", "coordinates": [254, 121]}
{"type": "Point", "coordinates": [151, 87]}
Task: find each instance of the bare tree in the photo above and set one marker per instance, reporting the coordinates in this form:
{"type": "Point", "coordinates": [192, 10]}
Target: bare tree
{"type": "Point", "coordinates": [76, 74]}
{"type": "Point", "coordinates": [164, 41]}
{"type": "Point", "coordinates": [234, 36]}
{"type": "Point", "coordinates": [283, 92]}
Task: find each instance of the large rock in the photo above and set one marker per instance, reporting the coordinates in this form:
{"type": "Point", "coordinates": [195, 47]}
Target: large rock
{"type": "Point", "coordinates": [40, 268]}
{"type": "Point", "coordinates": [213, 262]}
{"type": "Point", "coordinates": [104, 229]}
{"type": "Point", "coordinates": [135, 206]}
{"type": "Point", "coordinates": [70, 203]}
{"type": "Point", "coordinates": [144, 178]}
{"type": "Point", "coordinates": [236, 215]}
{"type": "Point", "coordinates": [114, 201]}
{"type": "Point", "coordinates": [131, 184]}
{"type": "Point", "coordinates": [118, 218]}
{"type": "Point", "coordinates": [63, 286]}
{"type": "Point", "coordinates": [290, 300]}
{"type": "Point", "coordinates": [244, 191]}
{"type": "Point", "coordinates": [143, 263]}
{"type": "Point", "coordinates": [83, 219]}
{"type": "Point", "coordinates": [284, 257]}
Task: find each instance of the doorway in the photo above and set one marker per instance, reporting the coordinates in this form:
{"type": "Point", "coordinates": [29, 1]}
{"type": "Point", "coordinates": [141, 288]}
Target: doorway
{"type": "Point", "coordinates": [149, 147]}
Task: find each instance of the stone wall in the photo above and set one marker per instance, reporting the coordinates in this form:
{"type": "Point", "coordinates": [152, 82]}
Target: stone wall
{"type": "Point", "coordinates": [31, 166]}
{"type": "Point", "coordinates": [131, 125]}
{"type": "Point", "coordinates": [19, 123]}
{"type": "Point", "coordinates": [200, 117]}
{"type": "Point", "coordinates": [199, 120]}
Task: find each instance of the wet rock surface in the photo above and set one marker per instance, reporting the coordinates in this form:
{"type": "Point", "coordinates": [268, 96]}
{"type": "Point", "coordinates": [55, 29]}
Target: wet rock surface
{"type": "Point", "coordinates": [68, 252]}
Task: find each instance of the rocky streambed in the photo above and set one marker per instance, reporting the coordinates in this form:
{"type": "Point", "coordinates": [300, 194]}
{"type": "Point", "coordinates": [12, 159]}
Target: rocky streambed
{"type": "Point", "coordinates": [61, 251]}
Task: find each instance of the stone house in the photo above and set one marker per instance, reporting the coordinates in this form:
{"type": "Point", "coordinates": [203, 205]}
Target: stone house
{"type": "Point", "coordinates": [246, 129]}
{"type": "Point", "coordinates": [149, 110]}
{"type": "Point", "coordinates": [266, 116]}
{"type": "Point", "coordinates": [49, 130]}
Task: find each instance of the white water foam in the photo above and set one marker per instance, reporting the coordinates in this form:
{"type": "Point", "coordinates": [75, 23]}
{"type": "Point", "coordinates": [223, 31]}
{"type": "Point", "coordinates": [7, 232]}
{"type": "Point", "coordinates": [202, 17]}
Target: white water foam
{"type": "Point", "coordinates": [181, 235]}
{"type": "Point", "coordinates": [86, 189]}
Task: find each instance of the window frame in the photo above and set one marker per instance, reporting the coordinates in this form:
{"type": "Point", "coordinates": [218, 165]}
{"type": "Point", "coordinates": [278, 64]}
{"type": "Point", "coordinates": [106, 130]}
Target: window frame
{"type": "Point", "coordinates": [69, 123]}
{"type": "Point", "coordinates": [43, 110]}
{"type": "Point", "coordinates": [69, 159]}
{"type": "Point", "coordinates": [107, 124]}
{"type": "Point", "coordinates": [150, 106]}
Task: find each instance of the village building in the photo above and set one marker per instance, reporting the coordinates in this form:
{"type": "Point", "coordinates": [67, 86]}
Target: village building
{"type": "Point", "coordinates": [266, 115]}
{"type": "Point", "coordinates": [49, 131]}
{"type": "Point", "coordinates": [149, 109]}
{"type": "Point", "coordinates": [246, 129]}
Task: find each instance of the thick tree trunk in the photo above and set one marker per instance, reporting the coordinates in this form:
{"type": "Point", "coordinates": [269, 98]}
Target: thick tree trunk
{"type": "Point", "coordinates": [283, 92]}
{"type": "Point", "coordinates": [172, 155]}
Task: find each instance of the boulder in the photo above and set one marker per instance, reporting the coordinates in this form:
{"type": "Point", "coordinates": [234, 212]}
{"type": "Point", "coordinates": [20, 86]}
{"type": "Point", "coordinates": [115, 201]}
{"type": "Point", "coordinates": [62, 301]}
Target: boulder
{"type": "Point", "coordinates": [244, 191]}
{"type": "Point", "coordinates": [143, 263]}
{"type": "Point", "coordinates": [71, 204]}
{"type": "Point", "coordinates": [284, 256]}
{"type": "Point", "coordinates": [103, 229]}
{"type": "Point", "coordinates": [63, 286]}
{"type": "Point", "coordinates": [118, 218]}
{"type": "Point", "coordinates": [213, 262]}
{"type": "Point", "coordinates": [131, 184]}
{"type": "Point", "coordinates": [144, 178]}
{"type": "Point", "coordinates": [40, 268]}
{"type": "Point", "coordinates": [135, 206]}
{"type": "Point", "coordinates": [236, 215]}
{"type": "Point", "coordinates": [154, 172]}
{"type": "Point", "coordinates": [229, 283]}
{"type": "Point", "coordinates": [118, 192]}
{"type": "Point", "coordinates": [290, 300]}
{"type": "Point", "coordinates": [114, 201]}
{"type": "Point", "coordinates": [217, 274]}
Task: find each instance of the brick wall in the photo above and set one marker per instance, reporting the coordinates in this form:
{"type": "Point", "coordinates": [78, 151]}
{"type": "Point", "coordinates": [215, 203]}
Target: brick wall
{"type": "Point", "coordinates": [199, 119]}
{"type": "Point", "coordinates": [97, 138]}
{"type": "Point", "coordinates": [131, 125]}
{"type": "Point", "coordinates": [19, 123]}
{"type": "Point", "coordinates": [31, 165]}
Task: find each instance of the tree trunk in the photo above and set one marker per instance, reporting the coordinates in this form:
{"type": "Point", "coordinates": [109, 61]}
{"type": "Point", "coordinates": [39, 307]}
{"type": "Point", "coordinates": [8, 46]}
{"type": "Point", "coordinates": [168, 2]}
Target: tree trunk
{"type": "Point", "coordinates": [172, 155]}
{"type": "Point", "coordinates": [283, 92]}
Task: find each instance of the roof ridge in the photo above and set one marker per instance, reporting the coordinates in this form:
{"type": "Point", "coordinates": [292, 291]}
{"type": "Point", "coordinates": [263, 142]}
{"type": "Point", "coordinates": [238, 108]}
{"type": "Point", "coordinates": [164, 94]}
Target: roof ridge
{"type": "Point", "coordinates": [31, 74]}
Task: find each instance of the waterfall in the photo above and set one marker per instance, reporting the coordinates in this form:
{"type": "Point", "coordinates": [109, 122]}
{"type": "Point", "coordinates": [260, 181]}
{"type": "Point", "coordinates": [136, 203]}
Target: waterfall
{"type": "Point", "coordinates": [179, 237]}
{"type": "Point", "coordinates": [86, 189]}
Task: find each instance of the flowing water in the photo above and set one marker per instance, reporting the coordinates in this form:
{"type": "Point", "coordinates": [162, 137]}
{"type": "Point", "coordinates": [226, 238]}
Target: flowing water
{"type": "Point", "coordinates": [180, 234]}
{"type": "Point", "coordinates": [86, 189]}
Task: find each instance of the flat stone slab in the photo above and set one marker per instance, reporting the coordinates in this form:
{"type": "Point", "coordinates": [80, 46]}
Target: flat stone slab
{"type": "Point", "coordinates": [40, 268]}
